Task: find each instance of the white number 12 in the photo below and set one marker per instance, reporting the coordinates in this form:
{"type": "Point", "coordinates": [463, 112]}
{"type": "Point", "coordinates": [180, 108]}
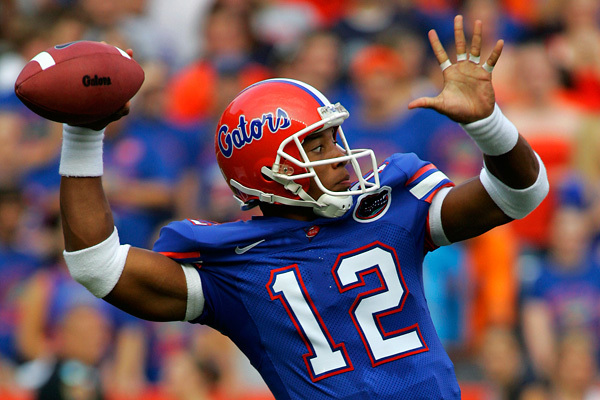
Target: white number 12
{"type": "Point", "coordinates": [325, 358]}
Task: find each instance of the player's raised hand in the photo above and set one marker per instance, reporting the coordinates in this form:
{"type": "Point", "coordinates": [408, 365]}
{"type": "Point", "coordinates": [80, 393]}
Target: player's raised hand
{"type": "Point", "coordinates": [103, 123]}
{"type": "Point", "coordinates": [468, 94]}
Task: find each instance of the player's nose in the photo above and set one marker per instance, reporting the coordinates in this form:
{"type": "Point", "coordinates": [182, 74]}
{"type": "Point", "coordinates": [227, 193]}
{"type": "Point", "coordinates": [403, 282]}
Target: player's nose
{"type": "Point", "coordinates": [339, 152]}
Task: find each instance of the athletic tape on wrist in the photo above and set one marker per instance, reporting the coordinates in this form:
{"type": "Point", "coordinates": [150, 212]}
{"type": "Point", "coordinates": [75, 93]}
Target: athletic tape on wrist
{"type": "Point", "coordinates": [99, 267]}
{"type": "Point", "coordinates": [494, 135]}
{"type": "Point", "coordinates": [195, 295]}
{"type": "Point", "coordinates": [81, 153]}
{"type": "Point", "coordinates": [436, 230]}
{"type": "Point", "coordinates": [516, 203]}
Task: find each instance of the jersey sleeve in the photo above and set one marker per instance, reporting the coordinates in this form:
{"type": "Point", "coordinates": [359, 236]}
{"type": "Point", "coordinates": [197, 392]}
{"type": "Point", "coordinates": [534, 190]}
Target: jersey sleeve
{"type": "Point", "coordinates": [423, 180]}
{"type": "Point", "coordinates": [177, 241]}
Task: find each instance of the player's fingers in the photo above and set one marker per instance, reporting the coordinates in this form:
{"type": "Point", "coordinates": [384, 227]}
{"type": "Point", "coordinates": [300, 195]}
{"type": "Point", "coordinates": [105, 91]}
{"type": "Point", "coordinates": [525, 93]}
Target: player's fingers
{"type": "Point", "coordinates": [101, 124]}
{"type": "Point", "coordinates": [475, 55]}
{"type": "Point", "coordinates": [438, 49]}
{"type": "Point", "coordinates": [459, 39]}
{"type": "Point", "coordinates": [123, 111]}
{"type": "Point", "coordinates": [493, 58]}
{"type": "Point", "coordinates": [120, 113]}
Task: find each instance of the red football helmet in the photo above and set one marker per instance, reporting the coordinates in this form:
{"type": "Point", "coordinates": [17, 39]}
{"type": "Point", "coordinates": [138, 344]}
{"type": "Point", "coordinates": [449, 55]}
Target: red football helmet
{"type": "Point", "coordinates": [259, 147]}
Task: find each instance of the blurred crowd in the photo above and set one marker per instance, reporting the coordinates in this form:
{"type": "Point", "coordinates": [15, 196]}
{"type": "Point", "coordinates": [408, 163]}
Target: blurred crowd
{"type": "Point", "coordinates": [518, 308]}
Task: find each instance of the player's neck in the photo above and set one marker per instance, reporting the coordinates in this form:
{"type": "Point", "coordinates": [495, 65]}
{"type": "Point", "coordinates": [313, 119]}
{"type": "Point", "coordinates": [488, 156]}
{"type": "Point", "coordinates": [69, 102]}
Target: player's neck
{"type": "Point", "coordinates": [298, 213]}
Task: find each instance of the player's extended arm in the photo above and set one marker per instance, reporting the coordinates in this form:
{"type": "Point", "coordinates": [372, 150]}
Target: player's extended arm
{"type": "Point", "coordinates": [141, 282]}
{"type": "Point", "coordinates": [513, 181]}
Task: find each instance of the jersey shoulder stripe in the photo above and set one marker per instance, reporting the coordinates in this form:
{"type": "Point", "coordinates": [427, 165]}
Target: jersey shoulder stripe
{"type": "Point", "coordinates": [421, 178]}
{"type": "Point", "coordinates": [420, 173]}
{"type": "Point", "coordinates": [426, 182]}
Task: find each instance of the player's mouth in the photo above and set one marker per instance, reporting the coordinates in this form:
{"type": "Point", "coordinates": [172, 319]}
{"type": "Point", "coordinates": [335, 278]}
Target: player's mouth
{"type": "Point", "coordinates": [344, 184]}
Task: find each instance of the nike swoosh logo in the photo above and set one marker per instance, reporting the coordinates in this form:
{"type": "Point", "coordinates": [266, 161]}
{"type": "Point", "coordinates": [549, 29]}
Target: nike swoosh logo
{"type": "Point", "coordinates": [242, 250]}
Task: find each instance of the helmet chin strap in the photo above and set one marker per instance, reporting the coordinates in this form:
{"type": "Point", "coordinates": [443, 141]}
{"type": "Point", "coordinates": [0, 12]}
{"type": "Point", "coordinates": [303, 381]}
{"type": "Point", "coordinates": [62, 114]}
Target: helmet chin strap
{"type": "Point", "coordinates": [333, 206]}
{"type": "Point", "coordinates": [326, 206]}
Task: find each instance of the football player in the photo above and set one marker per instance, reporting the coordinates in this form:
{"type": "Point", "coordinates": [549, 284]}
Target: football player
{"type": "Point", "coordinates": [323, 293]}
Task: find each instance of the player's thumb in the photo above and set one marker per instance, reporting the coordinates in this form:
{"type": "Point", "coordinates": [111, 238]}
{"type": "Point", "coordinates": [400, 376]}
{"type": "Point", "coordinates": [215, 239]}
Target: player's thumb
{"type": "Point", "coordinates": [423, 102]}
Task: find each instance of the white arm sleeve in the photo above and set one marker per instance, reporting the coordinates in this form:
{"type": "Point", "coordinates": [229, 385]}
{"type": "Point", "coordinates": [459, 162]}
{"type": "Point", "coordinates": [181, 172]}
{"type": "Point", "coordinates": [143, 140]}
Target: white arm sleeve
{"type": "Point", "coordinates": [516, 203]}
{"type": "Point", "coordinates": [99, 267]}
{"type": "Point", "coordinates": [435, 218]}
{"type": "Point", "coordinates": [195, 295]}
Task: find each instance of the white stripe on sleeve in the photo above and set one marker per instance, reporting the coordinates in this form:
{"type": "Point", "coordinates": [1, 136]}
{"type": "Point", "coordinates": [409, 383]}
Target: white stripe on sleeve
{"type": "Point", "coordinates": [421, 189]}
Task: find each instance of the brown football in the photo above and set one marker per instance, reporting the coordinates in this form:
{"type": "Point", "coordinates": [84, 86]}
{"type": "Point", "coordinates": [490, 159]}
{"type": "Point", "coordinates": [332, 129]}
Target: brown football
{"type": "Point", "coordinates": [79, 82]}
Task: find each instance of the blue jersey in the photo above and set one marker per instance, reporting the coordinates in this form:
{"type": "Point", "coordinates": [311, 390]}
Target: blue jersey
{"type": "Point", "coordinates": [329, 308]}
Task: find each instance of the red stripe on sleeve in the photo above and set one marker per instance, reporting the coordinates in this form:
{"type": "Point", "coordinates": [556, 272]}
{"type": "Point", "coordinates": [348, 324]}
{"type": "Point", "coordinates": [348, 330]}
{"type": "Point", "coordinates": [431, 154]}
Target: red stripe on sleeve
{"type": "Point", "coordinates": [171, 254]}
{"type": "Point", "coordinates": [420, 172]}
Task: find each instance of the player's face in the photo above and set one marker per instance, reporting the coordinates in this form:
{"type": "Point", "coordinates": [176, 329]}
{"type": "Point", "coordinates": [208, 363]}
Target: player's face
{"type": "Point", "coordinates": [334, 176]}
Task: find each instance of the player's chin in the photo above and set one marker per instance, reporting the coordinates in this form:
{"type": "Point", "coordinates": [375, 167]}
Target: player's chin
{"type": "Point", "coordinates": [343, 186]}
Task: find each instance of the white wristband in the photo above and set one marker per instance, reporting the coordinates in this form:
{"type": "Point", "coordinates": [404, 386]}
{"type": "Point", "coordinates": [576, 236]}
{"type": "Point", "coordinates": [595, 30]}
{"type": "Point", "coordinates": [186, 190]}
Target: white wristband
{"type": "Point", "coordinates": [99, 267]}
{"type": "Point", "coordinates": [516, 203]}
{"type": "Point", "coordinates": [81, 153]}
{"type": "Point", "coordinates": [494, 135]}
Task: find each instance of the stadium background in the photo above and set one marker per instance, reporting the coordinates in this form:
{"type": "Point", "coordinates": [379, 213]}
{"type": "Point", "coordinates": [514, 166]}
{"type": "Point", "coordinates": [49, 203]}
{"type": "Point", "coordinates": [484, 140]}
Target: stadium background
{"type": "Point", "coordinates": [518, 308]}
